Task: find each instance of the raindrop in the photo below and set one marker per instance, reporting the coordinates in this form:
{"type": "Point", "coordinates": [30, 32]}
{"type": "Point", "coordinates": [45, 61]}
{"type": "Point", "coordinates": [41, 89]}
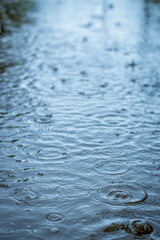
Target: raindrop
{"type": "Point", "coordinates": [110, 151]}
{"type": "Point", "coordinates": [54, 230]}
{"type": "Point", "coordinates": [24, 195]}
{"type": "Point", "coordinates": [54, 217]}
{"type": "Point", "coordinates": [110, 167]}
{"type": "Point", "coordinates": [139, 227]}
{"type": "Point", "coordinates": [123, 194]}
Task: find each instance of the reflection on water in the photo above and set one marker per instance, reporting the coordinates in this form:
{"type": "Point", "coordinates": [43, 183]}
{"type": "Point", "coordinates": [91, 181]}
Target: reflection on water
{"type": "Point", "coordinates": [79, 119]}
{"type": "Point", "coordinates": [14, 13]}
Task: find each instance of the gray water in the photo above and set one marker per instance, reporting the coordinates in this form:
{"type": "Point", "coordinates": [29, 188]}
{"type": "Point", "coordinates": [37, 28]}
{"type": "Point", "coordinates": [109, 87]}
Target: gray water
{"type": "Point", "coordinates": [80, 121]}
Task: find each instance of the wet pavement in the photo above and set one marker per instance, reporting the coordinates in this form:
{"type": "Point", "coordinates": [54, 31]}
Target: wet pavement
{"type": "Point", "coordinates": [80, 121]}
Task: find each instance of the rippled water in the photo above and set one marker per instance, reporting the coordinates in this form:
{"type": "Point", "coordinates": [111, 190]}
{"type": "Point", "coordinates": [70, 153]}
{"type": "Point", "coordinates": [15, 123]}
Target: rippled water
{"type": "Point", "coordinates": [80, 122]}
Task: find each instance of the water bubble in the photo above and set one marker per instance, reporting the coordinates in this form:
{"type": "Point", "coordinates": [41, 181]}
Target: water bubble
{"type": "Point", "coordinates": [54, 217]}
{"type": "Point", "coordinates": [46, 119]}
{"type": "Point", "coordinates": [54, 230]}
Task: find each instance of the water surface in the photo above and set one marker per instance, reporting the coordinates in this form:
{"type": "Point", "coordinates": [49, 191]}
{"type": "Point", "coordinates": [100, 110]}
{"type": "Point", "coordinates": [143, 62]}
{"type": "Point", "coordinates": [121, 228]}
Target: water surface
{"type": "Point", "coordinates": [80, 121]}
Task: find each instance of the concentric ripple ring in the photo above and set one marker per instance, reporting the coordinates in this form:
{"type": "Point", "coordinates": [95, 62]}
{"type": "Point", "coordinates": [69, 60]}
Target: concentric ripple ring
{"type": "Point", "coordinates": [122, 194]}
{"type": "Point", "coordinates": [110, 167]}
{"type": "Point", "coordinates": [24, 195]}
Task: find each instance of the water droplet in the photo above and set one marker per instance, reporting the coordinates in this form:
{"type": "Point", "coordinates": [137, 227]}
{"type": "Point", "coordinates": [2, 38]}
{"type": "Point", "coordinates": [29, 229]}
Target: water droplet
{"type": "Point", "coordinates": [54, 217]}
{"type": "Point", "coordinates": [54, 230]}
